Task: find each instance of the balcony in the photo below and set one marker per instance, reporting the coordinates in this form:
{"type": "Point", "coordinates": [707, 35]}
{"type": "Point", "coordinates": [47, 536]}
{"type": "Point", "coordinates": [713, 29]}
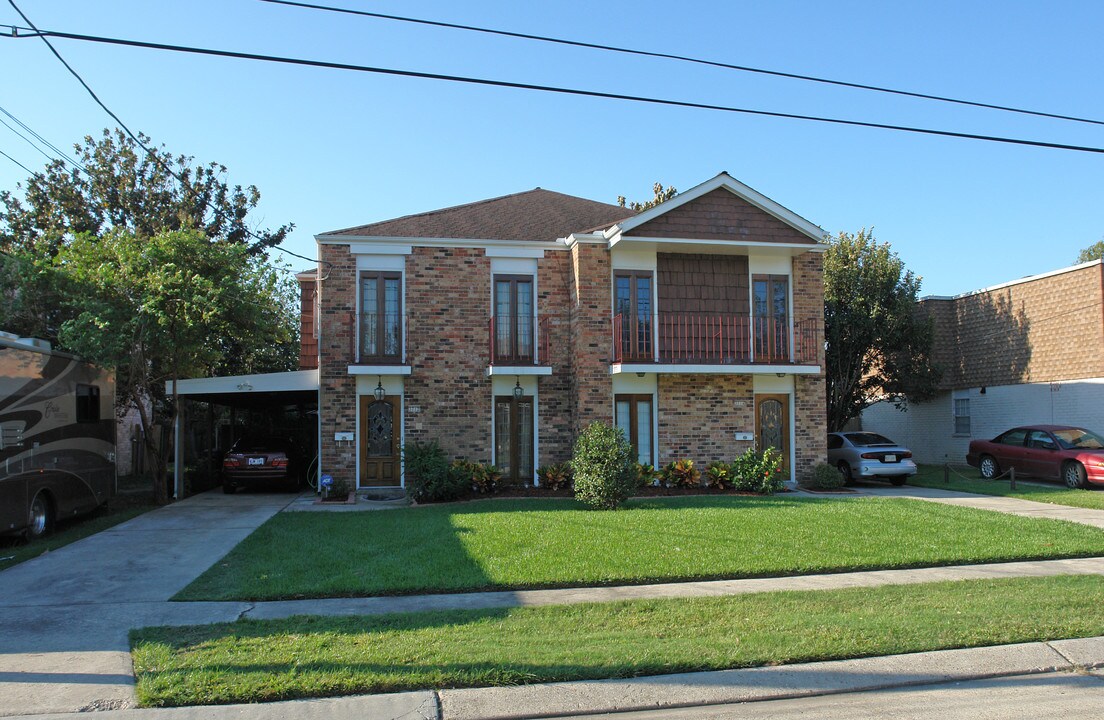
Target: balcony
{"type": "Point", "coordinates": [703, 339]}
{"type": "Point", "coordinates": [515, 349]}
{"type": "Point", "coordinates": [380, 350]}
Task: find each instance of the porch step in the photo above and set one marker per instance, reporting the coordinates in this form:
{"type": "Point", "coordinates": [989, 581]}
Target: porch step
{"type": "Point", "coordinates": [383, 496]}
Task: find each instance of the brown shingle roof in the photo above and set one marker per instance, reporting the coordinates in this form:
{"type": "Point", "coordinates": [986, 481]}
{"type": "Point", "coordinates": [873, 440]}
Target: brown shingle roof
{"type": "Point", "coordinates": [532, 215]}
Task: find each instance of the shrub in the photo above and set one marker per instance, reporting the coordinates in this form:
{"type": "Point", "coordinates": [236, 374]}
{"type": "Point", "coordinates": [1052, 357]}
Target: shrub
{"type": "Point", "coordinates": [603, 464]}
{"type": "Point", "coordinates": [681, 473]}
{"type": "Point", "coordinates": [339, 489]}
{"type": "Point", "coordinates": [479, 478]}
{"type": "Point", "coordinates": [645, 475]}
{"type": "Point", "coordinates": [759, 472]}
{"type": "Point", "coordinates": [428, 475]}
{"type": "Point", "coordinates": [555, 476]}
{"type": "Point", "coordinates": [827, 477]}
{"type": "Point", "coordinates": [718, 475]}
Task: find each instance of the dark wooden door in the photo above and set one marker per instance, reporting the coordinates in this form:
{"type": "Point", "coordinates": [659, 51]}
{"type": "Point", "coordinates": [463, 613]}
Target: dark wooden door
{"type": "Point", "coordinates": [514, 438]}
{"type": "Point", "coordinates": [772, 426]}
{"type": "Point", "coordinates": [380, 430]}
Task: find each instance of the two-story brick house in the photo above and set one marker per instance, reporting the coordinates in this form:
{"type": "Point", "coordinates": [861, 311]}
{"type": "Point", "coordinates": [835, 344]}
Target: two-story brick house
{"type": "Point", "coordinates": [503, 327]}
{"type": "Point", "coordinates": [1019, 353]}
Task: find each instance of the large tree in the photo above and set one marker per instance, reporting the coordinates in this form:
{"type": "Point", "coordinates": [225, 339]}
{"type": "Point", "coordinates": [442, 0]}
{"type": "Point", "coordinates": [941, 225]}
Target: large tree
{"type": "Point", "coordinates": [165, 307]}
{"type": "Point", "coordinates": [118, 187]}
{"type": "Point", "coordinates": [878, 347]}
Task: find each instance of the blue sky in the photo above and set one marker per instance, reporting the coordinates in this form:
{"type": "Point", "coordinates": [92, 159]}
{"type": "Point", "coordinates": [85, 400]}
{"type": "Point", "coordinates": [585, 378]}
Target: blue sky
{"type": "Point", "coordinates": [330, 149]}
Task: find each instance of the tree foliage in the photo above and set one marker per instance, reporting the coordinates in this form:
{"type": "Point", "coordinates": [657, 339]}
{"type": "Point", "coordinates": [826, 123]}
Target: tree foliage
{"type": "Point", "coordinates": [877, 346]}
{"type": "Point", "coordinates": [121, 188]}
{"type": "Point", "coordinates": [661, 196]}
{"type": "Point", "coordinates": [165, 307]}
{"type": "Point", "coordinates": [1092, 252]}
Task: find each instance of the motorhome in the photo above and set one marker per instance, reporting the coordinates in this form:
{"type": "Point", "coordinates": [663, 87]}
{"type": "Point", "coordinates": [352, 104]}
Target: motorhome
{"type": "Point", "coordinates": [57, 436]}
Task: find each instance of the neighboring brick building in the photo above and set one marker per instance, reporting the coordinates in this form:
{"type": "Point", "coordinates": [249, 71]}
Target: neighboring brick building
{"type": "Point", "coordinates": [501, 328]}
{"type": "Point", "coordinates": [1024, 352]}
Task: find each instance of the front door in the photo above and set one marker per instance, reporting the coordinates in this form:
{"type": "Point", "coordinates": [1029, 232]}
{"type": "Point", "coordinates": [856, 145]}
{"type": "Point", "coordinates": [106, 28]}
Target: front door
{"type": "Point", "coordinates": [772, 426]}
{"type": "Point", "coordinates": [379, 441]}
{"type": "Point", "coordinates": [514, 438]}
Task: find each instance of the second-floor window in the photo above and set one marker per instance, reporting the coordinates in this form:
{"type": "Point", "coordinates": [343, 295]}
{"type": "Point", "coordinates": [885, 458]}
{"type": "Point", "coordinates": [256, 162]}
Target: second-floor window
{"type": "Point", "coordinates": [632, 303]}
{"type": "Point", "coordinates": [771, 317]}
{"type": "Point", "coordinates": [513, 316]}
{"type": "Point", "coordinates": [381, 316]}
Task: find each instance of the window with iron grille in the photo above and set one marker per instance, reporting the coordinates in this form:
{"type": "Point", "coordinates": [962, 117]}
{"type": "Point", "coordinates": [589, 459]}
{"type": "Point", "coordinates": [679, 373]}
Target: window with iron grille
{"type": "Point", "coordinates": [962, 416]}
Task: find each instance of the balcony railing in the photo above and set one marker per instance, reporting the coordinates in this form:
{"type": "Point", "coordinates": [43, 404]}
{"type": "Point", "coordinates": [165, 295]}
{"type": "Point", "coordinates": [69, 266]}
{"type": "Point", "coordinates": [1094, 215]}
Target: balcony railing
{"type": "Point", "coordinates": [380, 339]}
{"type": "Point", "coordinates": [513, 340]}
{"type": "Point", "coordinates": [711, 339]}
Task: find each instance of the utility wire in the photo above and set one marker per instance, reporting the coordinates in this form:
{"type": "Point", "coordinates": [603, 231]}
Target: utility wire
{"type": "Point", "coordinates": [9, 157]}
{"type": "Point", "coordinates": [149, 153]}
{"type": "Point", "coordinates": [555, 89]}
{"type": "Point", "coordinates": [43, 140]}
{"type": "Point", "coordinates": [26, 139]}
{"type": "Point", "coordinates": [684, 58]}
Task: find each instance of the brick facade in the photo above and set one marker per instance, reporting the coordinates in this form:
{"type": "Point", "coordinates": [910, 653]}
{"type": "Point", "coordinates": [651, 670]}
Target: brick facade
{"type": "Point", "coordinates": [448, 394]}
{"type": "Point", "coordinates": [591, 335]}
{"type": "Point", "coordinates": [699, 416]}
{"type": "Point", "coordinates": [556, 393]}
{"type": "Point", "coordinates": [337, 396]}
{"type": "Point", "coordinates": [810, 424]}
{"type": "Point", "coordinates": [1042, 329]}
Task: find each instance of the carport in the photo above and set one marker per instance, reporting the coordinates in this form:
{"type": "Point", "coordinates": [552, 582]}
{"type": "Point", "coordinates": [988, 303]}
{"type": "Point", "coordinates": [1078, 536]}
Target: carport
{"type": "Point", "coordinates": [214, 411]}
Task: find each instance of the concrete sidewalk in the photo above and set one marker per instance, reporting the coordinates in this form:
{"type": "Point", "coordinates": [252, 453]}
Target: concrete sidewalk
{"type": "Point", "coordinates": [686, 690]}
{"type": "Point", "coordinates": [1012, 506]}
{"type": "Point", "coordinates": [65, 615]}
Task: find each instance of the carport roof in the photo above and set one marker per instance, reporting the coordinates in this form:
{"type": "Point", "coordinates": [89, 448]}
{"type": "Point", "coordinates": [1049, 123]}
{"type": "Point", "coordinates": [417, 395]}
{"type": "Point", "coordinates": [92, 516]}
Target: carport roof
{"type": "Point", "coordinates": [286, 387]}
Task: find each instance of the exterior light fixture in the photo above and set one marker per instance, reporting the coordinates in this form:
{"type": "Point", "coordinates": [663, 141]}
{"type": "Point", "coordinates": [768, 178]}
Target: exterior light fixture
{"type": "Point", "coordinates": [518, 391]}
{"type": "Point", "coordinates": [781, 374]}
{"type": "Point", "coordinates": [379, 392]}
{"type": "Point", "coordinates": [244, 387]}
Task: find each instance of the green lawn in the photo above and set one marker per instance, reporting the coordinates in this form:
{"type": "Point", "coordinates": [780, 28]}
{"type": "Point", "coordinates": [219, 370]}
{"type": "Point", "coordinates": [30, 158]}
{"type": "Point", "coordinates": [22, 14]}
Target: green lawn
{"type": "Point", "coordinates": [14, 551]}
{"type": "Point", "coordinates": [251, 661]}
{"type": "Point", "coordinates": [1030, 489]}
{"type": "Point", "coordinates": [549, 543]}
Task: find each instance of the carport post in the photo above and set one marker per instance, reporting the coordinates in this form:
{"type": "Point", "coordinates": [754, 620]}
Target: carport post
{"type": "Point", "coordinates": [178, 456]}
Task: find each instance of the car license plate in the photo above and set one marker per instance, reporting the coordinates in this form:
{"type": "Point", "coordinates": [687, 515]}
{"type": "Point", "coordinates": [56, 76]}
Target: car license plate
{"type": "Point", "coordinates": [256, 461]}
{"type": "Point", "coordinates": [889, 458]}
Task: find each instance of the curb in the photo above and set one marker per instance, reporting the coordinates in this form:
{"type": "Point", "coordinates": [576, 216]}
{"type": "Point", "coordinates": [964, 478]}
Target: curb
{"type": "Point", "coordinates": [722, 687]}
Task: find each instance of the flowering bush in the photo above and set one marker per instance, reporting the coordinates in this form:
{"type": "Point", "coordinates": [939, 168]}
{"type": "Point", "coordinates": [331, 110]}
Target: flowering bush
{"type": "Point", "coordinates": [718, 475]}
{"type": "Point", "coordinates": [681, 473]}
{"type": "Point", "coordinates": [759, 472]}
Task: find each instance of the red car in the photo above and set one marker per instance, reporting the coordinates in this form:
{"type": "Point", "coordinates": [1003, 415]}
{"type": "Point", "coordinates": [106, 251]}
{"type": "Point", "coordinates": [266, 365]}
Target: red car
{"type": "Point", "coordinates": [1059, 452]}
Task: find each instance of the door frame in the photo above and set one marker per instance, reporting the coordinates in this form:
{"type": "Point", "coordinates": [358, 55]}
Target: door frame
{"type": "Point", "coordinates": [363, 402]}
{"type": "Point", "coordinates": [787, 427]}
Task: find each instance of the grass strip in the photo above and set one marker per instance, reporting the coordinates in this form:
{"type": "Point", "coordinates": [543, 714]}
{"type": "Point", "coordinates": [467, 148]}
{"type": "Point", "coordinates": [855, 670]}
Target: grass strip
{"type": "Point", "coordinates": [1038, 490]}
{"type": "Point", "coordinates": [497, 544]}
{"type": "Point", "coordinates": [255, 661]}
{"type": "Point", "coordinates": [14, 551]}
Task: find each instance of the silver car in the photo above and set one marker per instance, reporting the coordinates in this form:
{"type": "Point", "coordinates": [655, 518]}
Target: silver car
{"type": "Point", "coordinates": [860, 455]}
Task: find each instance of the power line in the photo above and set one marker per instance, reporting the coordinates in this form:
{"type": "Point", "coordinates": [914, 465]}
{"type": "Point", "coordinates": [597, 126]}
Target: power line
{"type": "Point", "coordinates": [9, 157]}
{"type": "Point", "coordinates": [149, 153]}
{"type": "Point", "coordinates": [43, 140]}
{"type": "Point", "coordinates": [556, 89]}
{"type": "Point", "coordinates": [27, 140]}
{"type": "Point", "coordinates": [685, 58]}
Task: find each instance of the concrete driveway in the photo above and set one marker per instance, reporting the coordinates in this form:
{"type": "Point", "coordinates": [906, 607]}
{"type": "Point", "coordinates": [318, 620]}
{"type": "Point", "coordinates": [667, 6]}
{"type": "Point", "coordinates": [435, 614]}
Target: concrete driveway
{"type": "Point", "coordinates": [64, 616]}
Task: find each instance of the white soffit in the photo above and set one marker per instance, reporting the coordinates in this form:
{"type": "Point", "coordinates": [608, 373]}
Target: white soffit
{"type": "Point", "coordinates": [295, 380]}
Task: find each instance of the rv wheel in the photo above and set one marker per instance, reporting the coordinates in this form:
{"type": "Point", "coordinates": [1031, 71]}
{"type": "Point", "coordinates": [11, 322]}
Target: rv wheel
{"type": "Point", "coordinates": [41, 519]}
